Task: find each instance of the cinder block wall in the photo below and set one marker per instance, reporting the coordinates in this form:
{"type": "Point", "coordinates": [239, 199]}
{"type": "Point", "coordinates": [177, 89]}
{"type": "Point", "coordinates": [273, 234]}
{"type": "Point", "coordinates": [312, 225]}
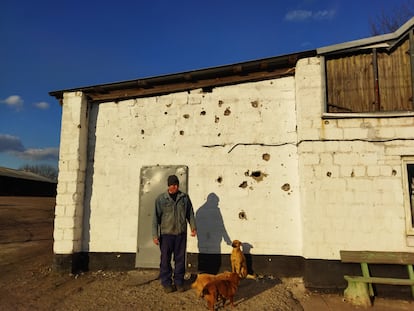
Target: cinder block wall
{"type": "Point", "coordinates": [68, 225]}
{"type": "Point", "coordinates": [350, 175]}
{"type": "Point", "coordinates": [309, 186]}
{"type": "Point", "coordinates": [238, 141]}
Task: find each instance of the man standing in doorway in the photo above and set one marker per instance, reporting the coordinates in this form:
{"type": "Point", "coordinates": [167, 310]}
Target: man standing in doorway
{"type": "Point", "coordinates": [173, 209]}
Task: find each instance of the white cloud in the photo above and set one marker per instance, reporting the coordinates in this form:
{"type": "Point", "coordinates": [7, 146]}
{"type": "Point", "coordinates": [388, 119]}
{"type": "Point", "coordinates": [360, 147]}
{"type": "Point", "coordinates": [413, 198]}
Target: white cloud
{"type": "Point", "coordinates": [298, 15]}
{"type": "Point", "coordinates": [325, 14]}
{"type": "Point", "coordinates": [39, 154]}
{"type": "Point", "coordinates": [12, 144]}
{"type": "Point", "coordinates": [14, 101]}
{"type": "Point", "coordinates": [302, 15]}
{"type": "Point", "coordinates": [42, 105]}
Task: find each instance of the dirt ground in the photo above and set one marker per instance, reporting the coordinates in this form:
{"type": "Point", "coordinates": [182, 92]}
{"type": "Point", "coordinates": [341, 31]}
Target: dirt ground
{"type": "Point", "coordinates": [28, 281]}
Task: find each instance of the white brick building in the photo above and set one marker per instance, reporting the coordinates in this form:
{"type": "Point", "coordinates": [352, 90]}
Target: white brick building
{"type": "Point", "coordinates": [298, 169]}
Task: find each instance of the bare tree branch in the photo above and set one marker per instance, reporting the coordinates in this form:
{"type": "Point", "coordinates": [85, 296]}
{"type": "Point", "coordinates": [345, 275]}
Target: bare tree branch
{"type": "Point", "coordinates": [42, 170]}
{"type": "Point", "coordinates": [390, 21]}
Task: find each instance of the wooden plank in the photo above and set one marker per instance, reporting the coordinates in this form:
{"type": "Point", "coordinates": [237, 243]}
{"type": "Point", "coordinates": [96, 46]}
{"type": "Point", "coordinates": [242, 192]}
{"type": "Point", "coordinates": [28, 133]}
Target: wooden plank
{"type": "Point", "coordinates": [395, 70]}
{"type": "Point", "coordinates": [365, 273]}
{"type": "Point", "coordinates": [411, 53]}
{"type": "Point", "coordinates": [350, 83]}
{"type": "Point", "coordinates": [379, 280]}
{"type": "Point", "coordinates": [411, 276]}
{"type": "Point", "coordinates": [188, 84]}
{"type": "Point", "coordinates": [377, 257]}
{"type": "Point", "coordinates": [372, 81]}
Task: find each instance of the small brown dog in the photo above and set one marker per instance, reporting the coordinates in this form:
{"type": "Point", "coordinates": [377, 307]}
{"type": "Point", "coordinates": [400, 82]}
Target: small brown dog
{"type": "Point", "coordinates": [238, 261]}
{"type": "Point", "coordinates": [221, 289]}
{"type": "Point", "coordinates": [205, 278]}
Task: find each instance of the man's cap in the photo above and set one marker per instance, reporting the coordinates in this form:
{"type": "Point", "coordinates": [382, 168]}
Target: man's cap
{"type": "Point", "coordinates": [173, 180]}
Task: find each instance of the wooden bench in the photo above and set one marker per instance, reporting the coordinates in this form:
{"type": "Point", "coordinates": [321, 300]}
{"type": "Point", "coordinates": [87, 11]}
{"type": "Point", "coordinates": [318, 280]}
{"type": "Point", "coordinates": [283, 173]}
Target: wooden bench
{"type": "Point", "coordinates": [360, 290]}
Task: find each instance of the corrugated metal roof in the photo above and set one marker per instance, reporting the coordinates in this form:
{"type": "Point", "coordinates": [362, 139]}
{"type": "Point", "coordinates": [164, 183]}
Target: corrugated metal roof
{"type": "Point", "coordinates": [23, 175]}
{"type": "Point", "coordinates": [386, 40]}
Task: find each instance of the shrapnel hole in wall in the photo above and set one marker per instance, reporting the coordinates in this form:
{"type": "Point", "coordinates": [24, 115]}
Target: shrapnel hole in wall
{"type": "Point", "coordinates": [256, 175]}
{"type": "Point", "coordinates": [242, 215]}
{"type": "Point", "coordinates": [219, 179]}
{"type": "Point", "coordinates": [266, 156]}
{"type": "Point", "coordinates": [227, 112]}
{"type": "Point", "coordinates": [285, 187]}
{"type": "Point", "coordinates": [255, 104]}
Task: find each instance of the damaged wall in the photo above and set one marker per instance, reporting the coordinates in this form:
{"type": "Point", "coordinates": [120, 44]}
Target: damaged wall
{"type": "Point", "coordinates": [239, 143]}
{"type": "Point", "coordinates": [285, 179]}
{"type": "Point", "coordinates": [351, 174]}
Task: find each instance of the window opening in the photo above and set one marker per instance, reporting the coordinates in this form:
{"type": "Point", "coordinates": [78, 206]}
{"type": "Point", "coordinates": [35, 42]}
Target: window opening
{"type": "Point", "coordinates": [377, 79]}
{"type": "Point", "coordinates": [408, 183]}
{"type": "Point", "coordinates": [410, 175]}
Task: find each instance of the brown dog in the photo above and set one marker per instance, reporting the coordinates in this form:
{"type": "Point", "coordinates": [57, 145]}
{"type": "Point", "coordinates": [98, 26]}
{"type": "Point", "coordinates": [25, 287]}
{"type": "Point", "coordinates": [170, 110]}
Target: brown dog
{"type": "Point", "coordinates": [205, 278]}
{"type": "Point", "coordinates": [221, 289]}
{"type": "Point", "coordinates": [238, 261]}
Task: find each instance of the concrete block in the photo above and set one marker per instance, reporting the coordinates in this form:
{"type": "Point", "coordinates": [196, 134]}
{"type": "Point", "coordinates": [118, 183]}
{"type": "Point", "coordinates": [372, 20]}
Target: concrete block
{"type": "Point", "coordinates": [63, 247]}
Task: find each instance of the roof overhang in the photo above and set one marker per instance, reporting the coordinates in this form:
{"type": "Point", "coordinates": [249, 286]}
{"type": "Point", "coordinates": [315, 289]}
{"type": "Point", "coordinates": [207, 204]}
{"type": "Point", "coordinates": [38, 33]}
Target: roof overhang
{"type": "Point", "coordinates": [250, 71]}
{"type": "Point", "coordinates": [387, 41]}
{"type": "Point", "coordinates": [19, 174]}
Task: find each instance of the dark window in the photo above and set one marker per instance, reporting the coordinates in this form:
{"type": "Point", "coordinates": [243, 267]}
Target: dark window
{"type": "Point", "coordinates": [410, 175]}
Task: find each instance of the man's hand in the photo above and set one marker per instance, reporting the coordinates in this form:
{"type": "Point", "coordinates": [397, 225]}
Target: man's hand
{"type": "Point", "coordinates": [156, 241]}
{"type": "Point", "coordinates": [193, 232]}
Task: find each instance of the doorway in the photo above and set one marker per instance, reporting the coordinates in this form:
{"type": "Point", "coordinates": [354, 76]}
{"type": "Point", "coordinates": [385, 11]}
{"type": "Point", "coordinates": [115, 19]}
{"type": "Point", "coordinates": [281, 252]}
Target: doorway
{"type": "Point", "coordinates": [153, 181]}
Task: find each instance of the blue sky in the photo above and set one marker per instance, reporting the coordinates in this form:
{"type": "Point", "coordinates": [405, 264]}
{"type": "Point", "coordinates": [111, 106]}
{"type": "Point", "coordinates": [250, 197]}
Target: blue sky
{"type": "Point", "coordinates": [53, 45]}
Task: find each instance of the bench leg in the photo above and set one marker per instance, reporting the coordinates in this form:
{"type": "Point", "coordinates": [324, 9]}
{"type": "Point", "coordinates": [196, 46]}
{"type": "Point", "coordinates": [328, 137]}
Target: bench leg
{"type": "Point", "coordinates": [357, 293]}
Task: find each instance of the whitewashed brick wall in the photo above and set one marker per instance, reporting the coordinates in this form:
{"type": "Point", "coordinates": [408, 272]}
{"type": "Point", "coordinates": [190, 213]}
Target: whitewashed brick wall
{"type": "Point", "coordinates": [184, 128]}
{"type": "Point", "coordinates": [351, 180]}
{"type": "Point", "coordinates": [329, 184]}
{"type": "Point", "coordinates": [71, 182]}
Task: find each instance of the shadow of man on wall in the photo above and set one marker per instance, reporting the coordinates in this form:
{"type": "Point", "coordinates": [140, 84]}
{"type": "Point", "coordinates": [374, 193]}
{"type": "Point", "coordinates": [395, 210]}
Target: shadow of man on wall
{"type": "Point", "coordinates": [210, 232]}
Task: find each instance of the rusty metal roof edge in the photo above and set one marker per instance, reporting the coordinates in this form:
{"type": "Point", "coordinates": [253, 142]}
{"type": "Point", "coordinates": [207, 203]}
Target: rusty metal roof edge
{"type": "Point", "coordinates": [9, 172]}
{"type": "Point", "coordinates": [248, 66]}
{"type": "Point", "coordinates": [366, 42]}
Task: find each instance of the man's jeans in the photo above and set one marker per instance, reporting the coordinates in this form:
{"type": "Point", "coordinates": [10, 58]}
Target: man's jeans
{"type": "Point", "coordinates": [172, 246]}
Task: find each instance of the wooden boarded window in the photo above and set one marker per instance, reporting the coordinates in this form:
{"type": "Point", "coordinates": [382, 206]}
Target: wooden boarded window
{"type": "Point", "coordinates": [370, 80]}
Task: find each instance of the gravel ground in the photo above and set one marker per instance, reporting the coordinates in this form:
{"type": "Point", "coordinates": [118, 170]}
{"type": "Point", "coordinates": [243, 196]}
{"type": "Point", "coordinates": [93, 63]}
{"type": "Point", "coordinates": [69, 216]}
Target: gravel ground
{"type": "Point", "coordinates": [28, 281]}
{"type": "Point", "coordinates": [42, 289]}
